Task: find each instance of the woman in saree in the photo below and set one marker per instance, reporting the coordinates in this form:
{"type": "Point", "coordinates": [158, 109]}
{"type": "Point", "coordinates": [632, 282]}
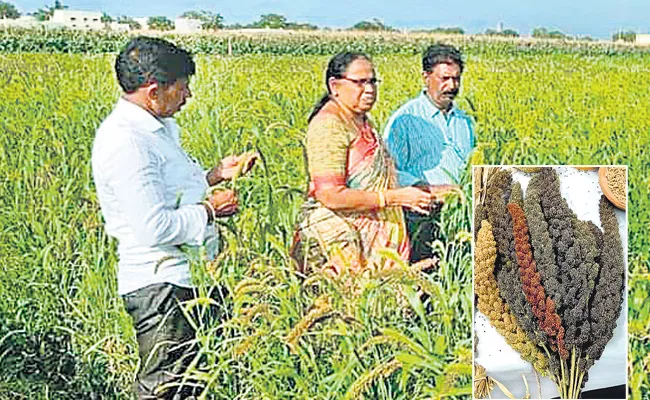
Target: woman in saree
{"type": "Point", "coordinates": [354, 207]}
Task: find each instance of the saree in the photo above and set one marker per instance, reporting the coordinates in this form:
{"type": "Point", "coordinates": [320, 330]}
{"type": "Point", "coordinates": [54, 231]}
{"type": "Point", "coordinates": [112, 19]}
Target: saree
{"type": "Point", "coordinates": [339, 153]}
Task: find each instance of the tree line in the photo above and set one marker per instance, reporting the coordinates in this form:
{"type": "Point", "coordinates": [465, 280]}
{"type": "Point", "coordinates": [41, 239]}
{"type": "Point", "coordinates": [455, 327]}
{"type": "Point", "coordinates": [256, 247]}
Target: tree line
{"type": "Point", "coordinates": [215, 21]}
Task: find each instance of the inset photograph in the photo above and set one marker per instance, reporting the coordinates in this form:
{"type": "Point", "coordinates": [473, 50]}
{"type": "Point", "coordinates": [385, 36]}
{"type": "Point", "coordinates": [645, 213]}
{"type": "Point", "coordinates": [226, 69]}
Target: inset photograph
{"type": "Point", "coordinates": [550, 281]}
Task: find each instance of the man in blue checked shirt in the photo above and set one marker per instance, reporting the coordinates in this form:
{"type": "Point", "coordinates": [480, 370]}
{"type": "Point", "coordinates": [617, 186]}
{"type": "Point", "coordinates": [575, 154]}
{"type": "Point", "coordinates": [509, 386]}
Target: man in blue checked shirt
{"type": "Point", "coordinates": [430, 139]}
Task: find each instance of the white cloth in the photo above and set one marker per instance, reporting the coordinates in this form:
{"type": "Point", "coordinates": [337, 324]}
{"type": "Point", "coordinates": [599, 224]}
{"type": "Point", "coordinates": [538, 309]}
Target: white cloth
{"type": "Point", "coordinates": [148, 190]}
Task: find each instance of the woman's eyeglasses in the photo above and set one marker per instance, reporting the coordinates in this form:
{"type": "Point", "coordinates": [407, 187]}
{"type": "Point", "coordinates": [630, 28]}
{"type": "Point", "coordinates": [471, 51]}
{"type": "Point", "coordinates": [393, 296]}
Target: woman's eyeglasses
{"type": "Point", "coordinates": [362, 82]}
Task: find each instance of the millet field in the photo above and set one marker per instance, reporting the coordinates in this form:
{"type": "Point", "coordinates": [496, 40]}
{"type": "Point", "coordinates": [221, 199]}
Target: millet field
{"type": "Point", "coordinates": [63, 330]}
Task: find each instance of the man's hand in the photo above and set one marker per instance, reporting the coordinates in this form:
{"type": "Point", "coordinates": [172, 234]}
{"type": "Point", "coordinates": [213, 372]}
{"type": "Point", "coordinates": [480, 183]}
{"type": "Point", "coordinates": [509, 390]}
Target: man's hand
{"type": "Point", "coordinates": [232, 166]}
{"type": "Point", "coordinates": [224, 202]}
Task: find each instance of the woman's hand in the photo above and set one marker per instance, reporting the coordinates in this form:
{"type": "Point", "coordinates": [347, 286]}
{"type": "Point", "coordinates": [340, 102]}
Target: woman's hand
{"type": "Point", "coordinates": [224, 202]}
{"type": "Point", "coordinates": [410, 197]}
{"type": "Point", "coordinates": [232, 166]}
{"type": "Point", "coordinates": [439, 192]}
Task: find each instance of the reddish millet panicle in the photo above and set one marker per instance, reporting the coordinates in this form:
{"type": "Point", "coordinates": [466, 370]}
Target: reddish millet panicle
{"type": "Point", "coordinates": [542, 306]}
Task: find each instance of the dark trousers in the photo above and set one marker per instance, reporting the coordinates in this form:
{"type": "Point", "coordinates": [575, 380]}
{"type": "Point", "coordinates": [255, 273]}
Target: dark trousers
{"type": "Point", "coordinates": [165, 339]}
{"type": "Point", "coordinates": [422, 231]}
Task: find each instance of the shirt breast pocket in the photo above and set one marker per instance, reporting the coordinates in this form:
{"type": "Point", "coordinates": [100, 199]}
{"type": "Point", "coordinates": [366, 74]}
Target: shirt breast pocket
{"type": "Point", "coordinates": [454, 151]}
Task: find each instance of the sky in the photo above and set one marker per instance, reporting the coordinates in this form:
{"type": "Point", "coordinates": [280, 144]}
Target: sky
{"type": "Point", "coordinates": [595, 18]}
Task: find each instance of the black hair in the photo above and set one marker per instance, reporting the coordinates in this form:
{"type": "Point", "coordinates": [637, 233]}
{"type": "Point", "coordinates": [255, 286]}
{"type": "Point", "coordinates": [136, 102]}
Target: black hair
{"type": "Point", "coordinates": [146, 60]}
{"type": "Point", "coordinates": [441, 54]}
{"type": "Point", "coordinates": [336, 69]}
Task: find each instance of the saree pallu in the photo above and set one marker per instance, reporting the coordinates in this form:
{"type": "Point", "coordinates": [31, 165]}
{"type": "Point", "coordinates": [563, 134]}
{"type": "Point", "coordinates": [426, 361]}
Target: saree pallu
{"type": "Point", "coordinates": [340, 154]}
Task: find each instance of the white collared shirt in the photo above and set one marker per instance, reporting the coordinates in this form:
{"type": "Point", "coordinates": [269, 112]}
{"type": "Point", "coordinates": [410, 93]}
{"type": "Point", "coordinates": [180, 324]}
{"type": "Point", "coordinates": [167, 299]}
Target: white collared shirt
{"type": "Point", "coordinates": [148, 190]}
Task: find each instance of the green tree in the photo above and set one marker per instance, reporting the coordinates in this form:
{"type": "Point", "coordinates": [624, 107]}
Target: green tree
{"type": "Point", "coordinates": [271, 21]}
{"type": "Point", "coordinates": [505, 33]}
{"type": "Point", "coordinates": [133, 24]}
{"type": "Point", "coordinates": [443, 30]}
{"type": "Point", "coordinates": [301, 27]}
{"type": "Point", "coordinates": [374, 25]}
{"type": "Point", "coordinates": [8, 10]}
{"type": "Point", "coordinates": [107, 19]}
{"type": "Point", "coordinates": [543, 33]}
{"type": "Point", "coordinates": [450, 31]}
{"type": "Point", "coordinates": [627, 36]}
{"type": "Point", "coordinates": [209, 20]}
{"type": "Point", "coordinates": [192, 15]}
{"type": "Point", "coordinates": [160, 23]}
{"type": "Point", "coordinates": [213, 22]}
{"type": "Point", "coordinates": [44, 14]}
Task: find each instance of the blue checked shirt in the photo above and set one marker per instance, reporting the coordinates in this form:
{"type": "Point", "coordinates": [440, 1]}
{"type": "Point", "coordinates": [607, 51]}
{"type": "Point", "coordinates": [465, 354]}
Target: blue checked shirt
{"type": "Point", "coordinates": [427, 146]}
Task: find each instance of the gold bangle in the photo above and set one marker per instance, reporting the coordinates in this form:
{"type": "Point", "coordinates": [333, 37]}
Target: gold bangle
{"type": "Point", "coordinates": [382, 199]}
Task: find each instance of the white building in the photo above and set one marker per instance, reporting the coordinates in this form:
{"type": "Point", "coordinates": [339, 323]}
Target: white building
{"type": "Point", "coordinates": [76, 19]}
{"type": "Point", "coordinates": [24, 21]}
{"type": "Point", "coordinates": [642, 38]}
{"type": "Point", "coordinates": [117, 27]}
{"type": "Point", "coordinates": [187, 25]}
{"type": "Point", "coordinates": [144, 22]}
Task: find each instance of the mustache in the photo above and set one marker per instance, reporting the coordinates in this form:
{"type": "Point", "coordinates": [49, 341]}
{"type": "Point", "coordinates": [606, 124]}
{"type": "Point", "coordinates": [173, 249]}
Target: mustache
{"type": "Point", "coordinates": [451, 92]}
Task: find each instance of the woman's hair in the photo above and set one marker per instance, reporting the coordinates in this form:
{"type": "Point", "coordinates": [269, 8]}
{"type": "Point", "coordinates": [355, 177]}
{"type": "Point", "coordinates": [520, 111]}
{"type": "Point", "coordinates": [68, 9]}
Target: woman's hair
{"type": "Point", "coordinates": [336, 69]}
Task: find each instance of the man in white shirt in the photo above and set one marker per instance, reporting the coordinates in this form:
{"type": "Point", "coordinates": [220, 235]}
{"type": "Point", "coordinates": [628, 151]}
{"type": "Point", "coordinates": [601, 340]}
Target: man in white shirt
{"type": "Point", "coordinates": [152, 195]}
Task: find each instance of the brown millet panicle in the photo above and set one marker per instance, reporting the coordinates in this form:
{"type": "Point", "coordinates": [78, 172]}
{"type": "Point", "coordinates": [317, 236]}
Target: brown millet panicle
{"type": "Point", "coordinates": [542, 306]}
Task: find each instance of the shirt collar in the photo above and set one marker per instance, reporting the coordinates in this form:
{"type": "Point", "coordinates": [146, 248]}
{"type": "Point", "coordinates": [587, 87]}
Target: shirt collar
{"type": "Point", "coordinates": [432, 109]}
{"type": "Point", "coordinates": [138, 116]}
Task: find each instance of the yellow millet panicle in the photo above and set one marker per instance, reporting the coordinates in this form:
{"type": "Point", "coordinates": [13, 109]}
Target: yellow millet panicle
{"type": "Point", "coordinates": [322, 306]}
{"type": "Point", "coordinates": [492, 305]}
{"type": "Point", "coordinates": [381, 371]}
